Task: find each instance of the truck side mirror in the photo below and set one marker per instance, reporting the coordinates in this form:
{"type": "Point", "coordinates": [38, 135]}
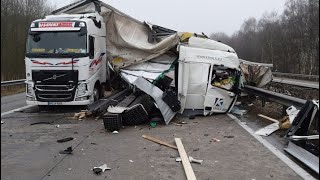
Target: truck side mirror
{"type": "Point", "coordinates": [91, 47]}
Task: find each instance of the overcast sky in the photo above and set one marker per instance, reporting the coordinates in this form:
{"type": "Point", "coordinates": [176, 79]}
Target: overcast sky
{"type": "Point", "coordinates": [197, 16]}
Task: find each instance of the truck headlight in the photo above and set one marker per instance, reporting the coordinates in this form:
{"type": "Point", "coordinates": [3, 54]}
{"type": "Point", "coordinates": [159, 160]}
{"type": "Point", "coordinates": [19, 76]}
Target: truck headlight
{"type": "Point", "coordinates": [29, 90]}
{"type": "Point", "coordinates": [82, 89]}
{"type": "Point", "coordinates": [30, 93]}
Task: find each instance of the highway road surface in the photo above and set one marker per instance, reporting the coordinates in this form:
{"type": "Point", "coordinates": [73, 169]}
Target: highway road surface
{"type": "Point", "coordinates": [228, 146]}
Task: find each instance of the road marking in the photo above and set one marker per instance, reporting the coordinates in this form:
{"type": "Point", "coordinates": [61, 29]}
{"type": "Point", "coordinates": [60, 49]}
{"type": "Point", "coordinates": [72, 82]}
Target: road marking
{"type": "Point", "coordinates": [15, 110]}
{"type": "Point", "coordinates": [301, 172]}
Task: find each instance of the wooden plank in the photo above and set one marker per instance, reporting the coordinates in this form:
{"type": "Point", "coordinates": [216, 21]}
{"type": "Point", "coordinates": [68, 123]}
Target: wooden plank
{"type": "Point", "coordinates": [159, 141]}
{"type": "Point", "coordinates": [185, 160]}
{"type": "Point", "coordinates": [268, 118]}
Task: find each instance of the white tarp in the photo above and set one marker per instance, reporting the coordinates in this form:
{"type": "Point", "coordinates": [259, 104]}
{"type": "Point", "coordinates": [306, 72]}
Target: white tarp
{"type": "Point", "coordinates": [127, 38]}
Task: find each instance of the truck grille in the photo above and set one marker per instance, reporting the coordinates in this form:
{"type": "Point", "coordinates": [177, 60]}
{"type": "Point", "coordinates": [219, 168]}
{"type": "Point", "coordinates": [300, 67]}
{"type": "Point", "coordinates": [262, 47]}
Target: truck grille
{"type": "Point", "coordinates": [55, 85]}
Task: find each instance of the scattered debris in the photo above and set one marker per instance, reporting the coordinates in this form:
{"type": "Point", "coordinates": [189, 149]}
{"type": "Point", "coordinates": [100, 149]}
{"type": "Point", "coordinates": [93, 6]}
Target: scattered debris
{"type": "Point", "coordinates": [65, 140]}
{"type": "Point", "coordinates": [251, 104]}
{"type": "Point", "coordinates": [285, 123]}
{"type": "Point", "coordinates": [238, 103]}
{"type": "Point", "coordinates": [196, 149]}
{"type": "Point", "coordinates": [67, 151]}
{"type": "Point", "coordinates": [159, 141]}
{"type": "Point", "coordinates": [99, 170]}
{"type": "Point", "coordinates": [69, 169]}
{"type": "Point", "coordinates": [268, 118]}
{"type": "Point", "coordinates": [38, 123]}
{"type": "Point", "coordinates": [57, 126]}
{"type": "Point", "coordinates": [81, 115]}
{"type": "Point", "coordinates": [266, 131]}
{"type": "Point", "coordinates": [185, 160]}
{"type": "Point", "coordinates": [191, 159]}
{"type": "Point", "coordinates": [177, 124]}
{"type": "Point", "coordinates": [2, 122]}
{"type": "Point", "coordinates": [153, 124]}
{"type": "Point", "coordinates": [292, 113]}
{"type": "Point", "coordinates": [130, 161]}
{"type": "Point", "coordinates": [237, 111]}
{"type": "Point", "coordinates": [215, 140]}
{"type": "Point", "coordinates": [228, 137]}
{"type": "Point", "coordinates": [115, 132]}
{"type": "Point", "coordinates": [116, 109]}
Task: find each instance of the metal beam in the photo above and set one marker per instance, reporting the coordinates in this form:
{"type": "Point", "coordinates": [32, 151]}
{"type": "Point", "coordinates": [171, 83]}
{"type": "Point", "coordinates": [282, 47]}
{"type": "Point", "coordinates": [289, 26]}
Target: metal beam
{"type": "Point", "coordinates": [296, 82]}
{"type": "Point", "coordinates": [275, 97]}
{"type": "Point", "coordinates": [13, 82]}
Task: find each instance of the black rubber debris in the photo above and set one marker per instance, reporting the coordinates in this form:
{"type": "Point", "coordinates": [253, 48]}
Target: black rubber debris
{"type": "Point", "coordinates": [37, 123]}
{"type": "Point", "coordinates": [97, 170]}
{"type": "Point", "coordinates": [65, 140]}
{"type": "Point", "coordinates": [67, 151]}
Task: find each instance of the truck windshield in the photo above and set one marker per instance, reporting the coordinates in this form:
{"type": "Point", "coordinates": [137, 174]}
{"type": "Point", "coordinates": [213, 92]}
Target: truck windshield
{"type": "Point", "coordinates": [56, 43]}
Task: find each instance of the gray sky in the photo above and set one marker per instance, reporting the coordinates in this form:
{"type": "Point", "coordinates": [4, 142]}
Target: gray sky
{"type": "Point", "coordinates": [206, 16]}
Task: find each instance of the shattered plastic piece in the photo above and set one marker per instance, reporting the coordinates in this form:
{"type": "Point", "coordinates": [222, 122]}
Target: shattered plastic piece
{"type": "Point", "coordinates": [65, 140]}
{"type": "Point", "coordinates": [156, 94]}
{"type": "Point", "coordinates": [103, 168]}
{"type": "Point", "coordinates": [116, 109]}
{"type": "Point", "coordinates": [153, 124]}
{"type": "Point", "coordinates": [237, 111]}
{"type": "Point", "coordinates": [115, 132]}
{"type": "Point", "coordinates": [191, 159]}
{"type": "Point", "coordinates": [292, 113]}
{"type": "Point", "coordinates": [238, 103]}
{"type": "Point", "coordinates": [57, 126]}
{"type": "Point", "coordinates": [130, 161]}
{"type": "Point", "coordinates": [215, 140]}
{"type": "Point", "coordinates": [266, 131]}
{"type": "Point", "coordinates": [2, 122]}
{"type": "Point", "coordinates": [67, 151]}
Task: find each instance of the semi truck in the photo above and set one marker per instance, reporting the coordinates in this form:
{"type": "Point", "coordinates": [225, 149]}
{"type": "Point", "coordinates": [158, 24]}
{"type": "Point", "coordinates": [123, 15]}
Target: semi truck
{"type": "Point", "coordinates": [71, 54]}
{"type": "Point", "coordinates": [66, 60]}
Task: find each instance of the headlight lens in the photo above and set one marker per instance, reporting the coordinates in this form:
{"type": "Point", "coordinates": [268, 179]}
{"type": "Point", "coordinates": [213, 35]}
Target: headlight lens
{"type": "Point", "coordinates": [29, 89]}
{"type": "Point", "coordinates": [82, 89]}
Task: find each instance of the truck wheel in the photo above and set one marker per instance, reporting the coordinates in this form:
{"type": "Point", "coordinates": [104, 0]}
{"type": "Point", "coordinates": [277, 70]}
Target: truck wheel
{"type": "Point", "coordinates": [96, 93]}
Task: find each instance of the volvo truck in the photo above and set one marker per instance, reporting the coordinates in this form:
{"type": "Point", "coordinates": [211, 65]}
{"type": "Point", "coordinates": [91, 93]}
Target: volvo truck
{"type": "Point", "coordinates": [66, 60]}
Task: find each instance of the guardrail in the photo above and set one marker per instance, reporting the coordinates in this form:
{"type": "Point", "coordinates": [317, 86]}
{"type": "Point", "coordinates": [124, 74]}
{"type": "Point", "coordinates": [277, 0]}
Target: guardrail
{"type": "Point", "coordinates": [12, 83]}
{"type": "Point", "coordinates": [296, 75]}
{"type": "Point", "coordinates": [282, 99]}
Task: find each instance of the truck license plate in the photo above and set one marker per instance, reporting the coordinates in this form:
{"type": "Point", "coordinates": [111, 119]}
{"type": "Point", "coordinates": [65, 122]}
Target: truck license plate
{"type": "Point", "coordinates": [54, 103]}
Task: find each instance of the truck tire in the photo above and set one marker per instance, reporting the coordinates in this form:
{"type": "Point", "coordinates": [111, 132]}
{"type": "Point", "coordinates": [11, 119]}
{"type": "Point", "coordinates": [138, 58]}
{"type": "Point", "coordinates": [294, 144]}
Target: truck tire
{"type": "Point", "coordinates": [96, 92]}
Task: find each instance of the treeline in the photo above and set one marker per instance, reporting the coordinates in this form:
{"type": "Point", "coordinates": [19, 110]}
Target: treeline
{"type": "Point", "coordinates": [290, 41]}
{"type": "Point", "coordinates": [16, 17]}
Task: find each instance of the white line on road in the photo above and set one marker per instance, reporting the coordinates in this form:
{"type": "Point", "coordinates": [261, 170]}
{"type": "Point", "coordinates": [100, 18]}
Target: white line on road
{"type": "Point", "coordinates": [18, 109]}
{"type": "Point", "coordinates": [301, 172]}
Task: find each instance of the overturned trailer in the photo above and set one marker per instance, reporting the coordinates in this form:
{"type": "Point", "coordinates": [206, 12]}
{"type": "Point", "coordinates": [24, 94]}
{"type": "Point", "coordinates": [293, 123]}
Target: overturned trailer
{"type": "Point", "coordinates": [182, 72]}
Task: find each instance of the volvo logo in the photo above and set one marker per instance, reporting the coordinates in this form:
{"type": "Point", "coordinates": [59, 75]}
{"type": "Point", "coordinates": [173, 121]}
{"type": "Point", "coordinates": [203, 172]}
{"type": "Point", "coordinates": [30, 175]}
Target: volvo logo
{"type": "Point", "coordinates": [54, 77]}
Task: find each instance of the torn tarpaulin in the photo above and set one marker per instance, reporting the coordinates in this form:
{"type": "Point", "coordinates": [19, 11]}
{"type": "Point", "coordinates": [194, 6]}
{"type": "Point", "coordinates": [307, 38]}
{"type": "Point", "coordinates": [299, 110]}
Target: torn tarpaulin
{"type": "Point", "coordinates": [157, 95]}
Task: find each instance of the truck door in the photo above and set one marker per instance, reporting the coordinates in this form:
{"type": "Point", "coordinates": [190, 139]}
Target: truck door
{"type": "Point", "coordinates": [219, 97]}
{"type": "Point", "coordinates": [193, 83]}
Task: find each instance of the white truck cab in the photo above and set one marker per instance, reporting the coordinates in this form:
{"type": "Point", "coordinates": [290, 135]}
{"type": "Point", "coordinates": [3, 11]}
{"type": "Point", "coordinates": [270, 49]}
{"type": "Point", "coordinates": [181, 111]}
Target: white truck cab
{"type": "Point", "coordinates": [209, 76]}
{"type": "Point", "coordinates": [66, 59]}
